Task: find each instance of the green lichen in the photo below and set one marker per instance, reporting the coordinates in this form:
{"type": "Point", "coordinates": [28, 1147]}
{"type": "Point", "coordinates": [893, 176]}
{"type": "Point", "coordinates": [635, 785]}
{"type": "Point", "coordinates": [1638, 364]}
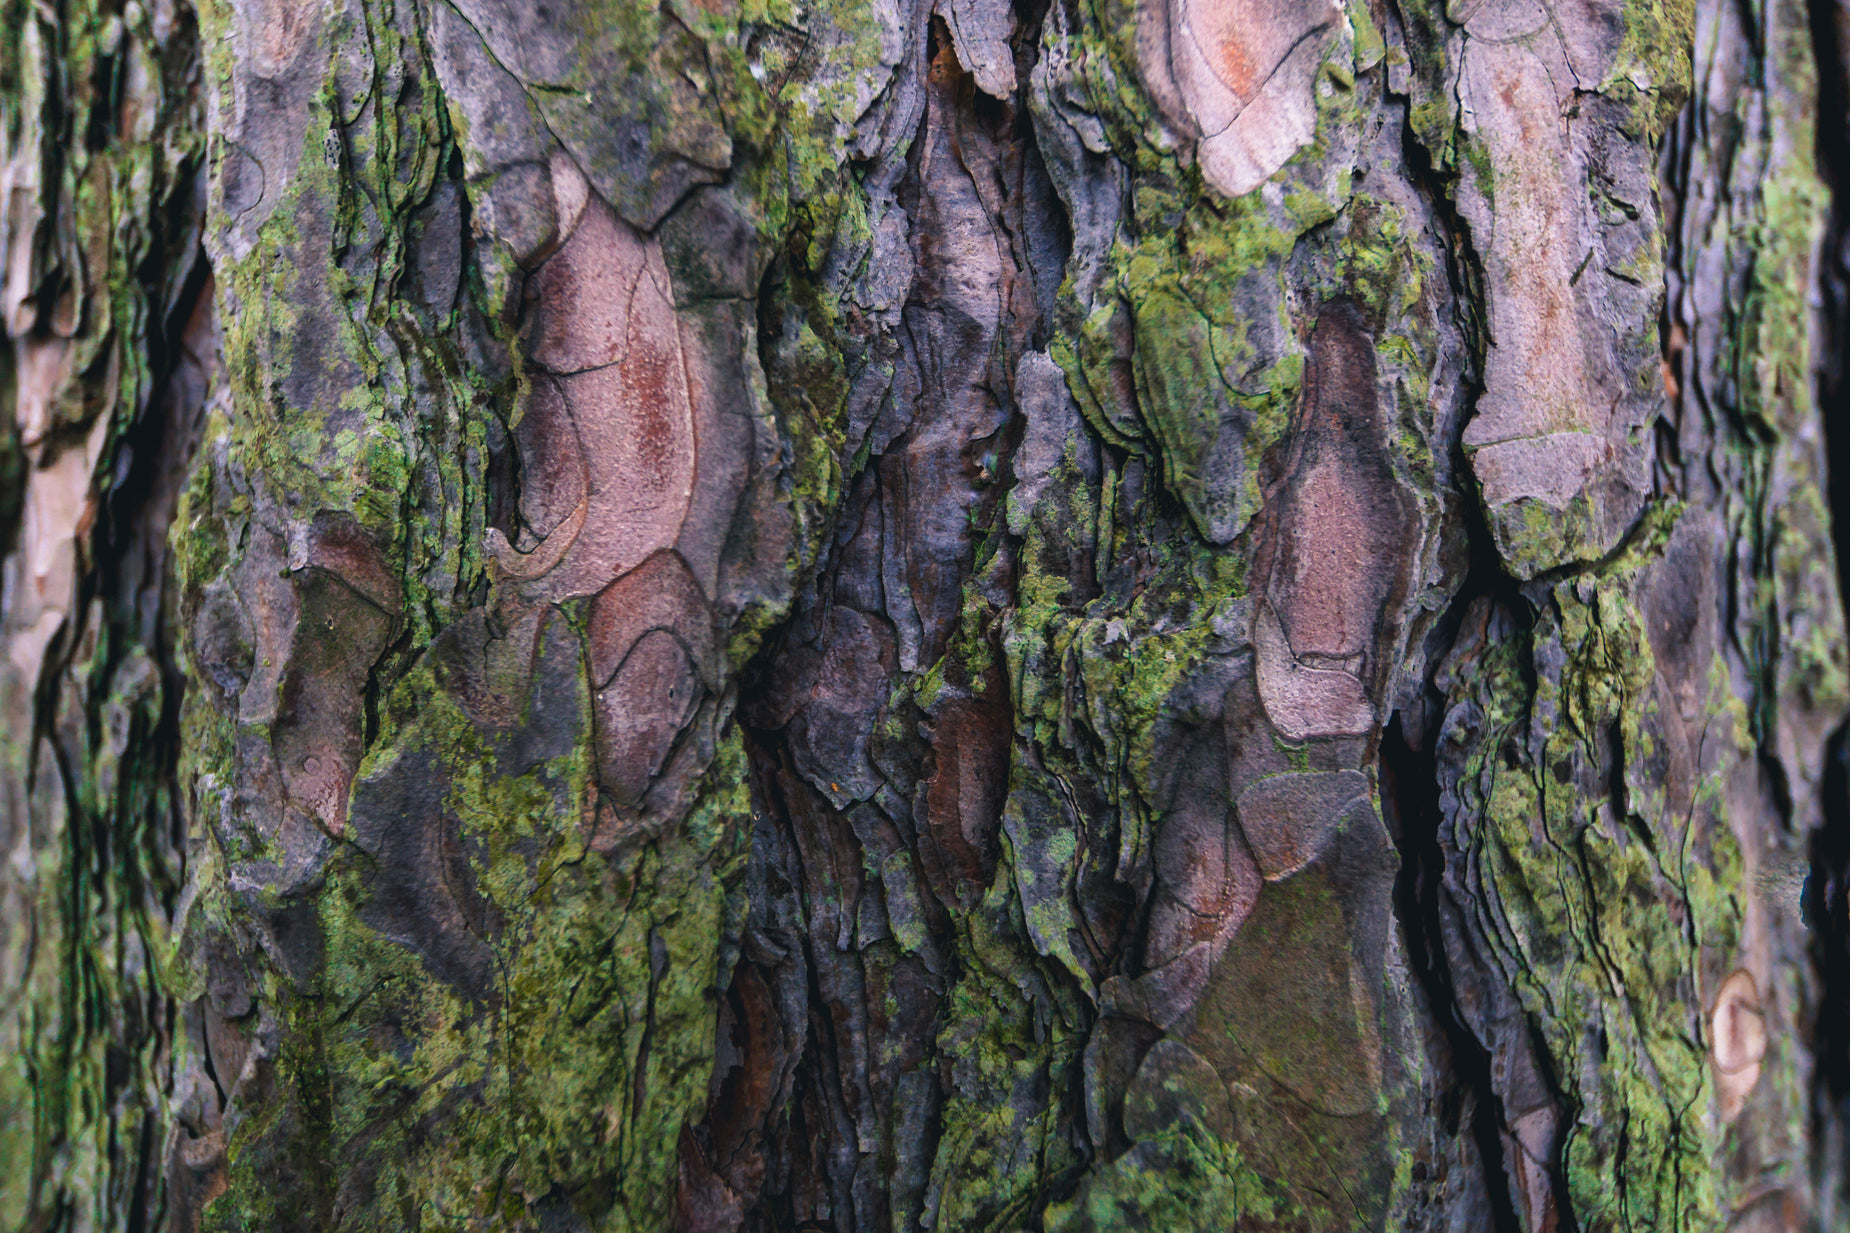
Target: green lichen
{"type": "Point", "coordinates": [1654, 64]}
{"type": "Point", "coordinates": [577, 1070]}
{"type": "Point", "coordinates": [568, 1082]}
{"type": "Point", "coordinates": [1604, 906]}
{"type": "Point", "coordinates": [1002, 1137]}
{"type": "Point", "coordinates": [1184, 1177]}
{"type": "Point", "coordinates": [1189, 363]}
{"type": "Point", "coordinates": [100, 121]}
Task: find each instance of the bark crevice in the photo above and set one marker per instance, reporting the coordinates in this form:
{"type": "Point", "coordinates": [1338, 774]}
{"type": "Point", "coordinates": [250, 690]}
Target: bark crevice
{"type": "Point", "coordinates": [1827, 892]}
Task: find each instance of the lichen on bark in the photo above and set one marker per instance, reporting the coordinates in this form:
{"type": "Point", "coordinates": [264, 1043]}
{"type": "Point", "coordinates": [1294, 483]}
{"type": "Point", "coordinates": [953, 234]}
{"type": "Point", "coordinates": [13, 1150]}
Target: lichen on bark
{"type": "Point", "coordinates": [846, 614]}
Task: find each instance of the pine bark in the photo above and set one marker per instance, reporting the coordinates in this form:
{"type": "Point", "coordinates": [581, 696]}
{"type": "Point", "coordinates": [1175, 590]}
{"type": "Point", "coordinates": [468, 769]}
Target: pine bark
{"type": "Point", "coordinates": [870, 614]}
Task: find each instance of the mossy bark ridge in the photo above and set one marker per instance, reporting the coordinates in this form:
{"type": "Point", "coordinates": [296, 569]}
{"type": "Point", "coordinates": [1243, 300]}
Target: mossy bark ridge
{"type": "Point", "coordinates": [885, 615]}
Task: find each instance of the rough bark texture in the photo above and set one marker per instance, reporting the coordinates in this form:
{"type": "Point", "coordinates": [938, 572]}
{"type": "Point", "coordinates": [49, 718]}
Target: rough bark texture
{"type": "Point", "coordinates": [921, 614]}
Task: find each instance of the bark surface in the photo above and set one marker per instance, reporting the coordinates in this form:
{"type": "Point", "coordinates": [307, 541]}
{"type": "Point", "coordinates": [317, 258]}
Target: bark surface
{"type": "Point", "coordinates": [923, 614]}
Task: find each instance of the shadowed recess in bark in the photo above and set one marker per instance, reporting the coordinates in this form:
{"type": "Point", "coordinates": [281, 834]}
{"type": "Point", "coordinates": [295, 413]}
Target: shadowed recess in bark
{"type": "Point", "coordinates": [922, 614]}
{"type": "Point", "coordinates": [1828, 889]}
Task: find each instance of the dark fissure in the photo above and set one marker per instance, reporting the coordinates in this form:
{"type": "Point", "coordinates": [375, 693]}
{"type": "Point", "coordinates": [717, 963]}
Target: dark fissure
{"type": "Point", "coordinates": [1827, 890]}
{"type": "Point", "coordinates": [1000, 615]}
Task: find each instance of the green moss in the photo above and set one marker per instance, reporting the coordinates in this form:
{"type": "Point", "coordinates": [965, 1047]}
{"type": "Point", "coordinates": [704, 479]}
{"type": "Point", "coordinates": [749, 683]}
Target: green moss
{"type": "Point", "coordinates": [1183, 1177]}
{"type": "Point", "coordinates": [1003, 1134]}
{"type": "Point", "coordinates": [1588, 895]}
{"type": "Point", "coordinates": [1654, 64]}
{"type": "Point", "coordinates": [1180, 362]}
{"type": "Point", "coordinates": [1814, 665]}
{"type": "Point", "coordinates": [1531, 533]}
{"type": "Point", "coordinates": [594, 1047]}
{"type": "Point", "coordinates": [1483, 170]}
{"type": "Point", "coordinates": [569, 1081]}
{"type": "Point", "coordinates": [106, 125]}
{"type": "Point", "coordinates": [1380, 268]}
{"type": "Point", "coordinates": [1773, 347]}
{"type": "Point", "coordinates": [1370, 47]}
{"type": "Point", "coordinates": [1191, 363]}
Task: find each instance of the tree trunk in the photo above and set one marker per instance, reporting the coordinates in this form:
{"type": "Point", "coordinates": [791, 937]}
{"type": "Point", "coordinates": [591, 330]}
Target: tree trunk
{"type": "Point", "coordinates": [766, 615]}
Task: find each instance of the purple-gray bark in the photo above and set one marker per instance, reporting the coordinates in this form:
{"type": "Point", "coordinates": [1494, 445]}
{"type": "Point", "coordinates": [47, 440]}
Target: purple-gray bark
{"type": "Point", "coordinates": [842, 616]}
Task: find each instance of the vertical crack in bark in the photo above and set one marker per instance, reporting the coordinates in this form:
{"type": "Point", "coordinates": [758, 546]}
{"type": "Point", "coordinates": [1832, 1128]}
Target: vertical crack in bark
{"type": "Point", "coordinates": [111, 726]}
{"type": "Point", "coordinates": [1827, 891]}
{"type": "Point", "coordinates": [876, 716]}
{"type": "Point", "coordinates": [1410, 791]}
{"type": "Point", "coordinates": [1828, 912]}
{"type": "Point", "coordinates": [1408, 762]}
{"type": "Point", "coordinates": [138, 582]}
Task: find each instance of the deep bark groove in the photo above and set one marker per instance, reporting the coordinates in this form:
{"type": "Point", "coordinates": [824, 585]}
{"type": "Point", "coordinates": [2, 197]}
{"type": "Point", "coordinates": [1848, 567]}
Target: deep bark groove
{"type": "Point", "coordinates": [1828, 888]}
{"type": "Point", "coordinates": [1000, 615]}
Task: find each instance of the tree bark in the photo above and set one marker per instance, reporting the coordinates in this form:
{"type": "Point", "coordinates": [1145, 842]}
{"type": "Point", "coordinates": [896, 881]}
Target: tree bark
{"type": "Point", "coordinates": [767, 615]}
